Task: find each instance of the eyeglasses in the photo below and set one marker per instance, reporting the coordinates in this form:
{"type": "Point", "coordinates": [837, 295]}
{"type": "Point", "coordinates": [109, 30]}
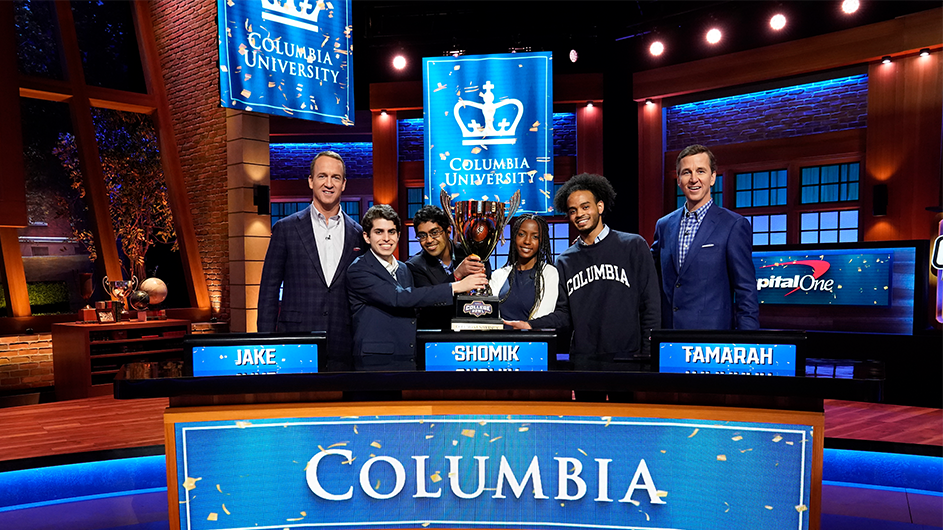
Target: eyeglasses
{"type": "Point", "coordinates": [435, 232]}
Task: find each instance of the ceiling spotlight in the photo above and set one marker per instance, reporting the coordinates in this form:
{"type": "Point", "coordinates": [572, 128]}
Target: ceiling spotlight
{"type": "Point", "coordinates": [657, 48]}
{"type": "Point", "coordinates": [886, 59]}
{"type": "Point", "coordinates": [574, 56]}
{"type": "Point", "coordinates": [924, 52]}
{"type": "Point", "coordinates": [713, 36]}
{"type": "Point", "coordinates": [850, 6]}
{"type": "Point", "coordinates": [777, 22]}
{"type": "Point", "coordinates": [453, 53]}
{"type": "Point", "coordinates": [399, 62]}
{"type": "Point", "coordinates": [649, 101]}
{"type": "Point", "coordinates": [589, 104]}
{"type": "Point", "coordinates": [383, 112]}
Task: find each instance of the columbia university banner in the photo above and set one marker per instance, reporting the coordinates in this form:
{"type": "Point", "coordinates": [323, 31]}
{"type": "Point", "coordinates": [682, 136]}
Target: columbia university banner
{"type": "Point", "coordinates": [288, 58]}
{"type": "Point", "coordinates": [489, 128]}
{"type": "Point", "coordinates": [493, 471]}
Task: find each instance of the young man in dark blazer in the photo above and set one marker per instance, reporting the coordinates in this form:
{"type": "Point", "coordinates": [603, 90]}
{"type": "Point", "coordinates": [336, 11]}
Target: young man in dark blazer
{"type": "Point", "coordinates": [384, 298]}
{"type": "Point", "coordinates": [705, 254]}
{"type": "Point", "coordinates": [440, 261]}
{"type": "Point", "coordinates": [307, 260]}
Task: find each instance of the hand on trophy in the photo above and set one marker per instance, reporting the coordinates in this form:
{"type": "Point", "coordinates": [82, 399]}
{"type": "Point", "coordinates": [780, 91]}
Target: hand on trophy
{"type": "Point", "coordinates": [470, 265]}
{"type": "Point", "coordinates": [472, 281]}
{"type": "Point", "coordinates": [517, 324]}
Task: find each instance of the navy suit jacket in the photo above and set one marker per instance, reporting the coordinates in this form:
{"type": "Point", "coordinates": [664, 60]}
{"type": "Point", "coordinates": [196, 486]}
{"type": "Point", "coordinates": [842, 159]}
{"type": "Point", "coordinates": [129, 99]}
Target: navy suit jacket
{"type": "Point", "coordinates": [308, 303]}
{"type": "Point", "coordinates": [427, 270]}
{"type": "Point", "coordinates": [384, 313]}
{"type": "Point", "coordinates": [716, 286]}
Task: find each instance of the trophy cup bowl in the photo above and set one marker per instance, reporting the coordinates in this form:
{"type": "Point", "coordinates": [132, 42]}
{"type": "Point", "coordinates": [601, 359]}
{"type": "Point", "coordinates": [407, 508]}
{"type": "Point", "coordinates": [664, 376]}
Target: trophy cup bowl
{"type": "Point", "coordinates": [120, 289]}
{"type": "Point", "coordinates": [479, 225]}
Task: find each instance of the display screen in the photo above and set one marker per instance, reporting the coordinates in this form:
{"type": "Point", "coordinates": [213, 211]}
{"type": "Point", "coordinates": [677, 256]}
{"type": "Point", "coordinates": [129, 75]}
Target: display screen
{"type": "Point", "coordinates": [824, 277]}
{"type": "Point", "coordinates": [494, 470]}
{"type": "Point", "coordinates": [247, 359]}
{"type": "Point", "coordinates": [727, 358]}
{"type": "Point", "coordinates": [486, 356]}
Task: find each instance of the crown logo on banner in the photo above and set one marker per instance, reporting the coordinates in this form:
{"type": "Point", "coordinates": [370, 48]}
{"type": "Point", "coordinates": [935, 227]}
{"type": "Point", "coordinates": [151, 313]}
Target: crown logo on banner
{"type": "Point", "coordinates": [485, 133]}
{"type": "Point", "coordinates": [304, 16]}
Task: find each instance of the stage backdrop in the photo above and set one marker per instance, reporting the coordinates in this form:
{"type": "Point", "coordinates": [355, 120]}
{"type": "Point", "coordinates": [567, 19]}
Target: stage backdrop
{"type": "Point", "coordinates": [287, 57]}
{"type": "Point", "coordinates": [489, 128]}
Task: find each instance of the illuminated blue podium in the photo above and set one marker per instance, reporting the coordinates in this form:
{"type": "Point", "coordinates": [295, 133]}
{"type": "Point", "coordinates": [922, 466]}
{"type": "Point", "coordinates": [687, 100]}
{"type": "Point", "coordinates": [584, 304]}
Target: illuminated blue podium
{"type": "Point", "coordinates": [492, 449]}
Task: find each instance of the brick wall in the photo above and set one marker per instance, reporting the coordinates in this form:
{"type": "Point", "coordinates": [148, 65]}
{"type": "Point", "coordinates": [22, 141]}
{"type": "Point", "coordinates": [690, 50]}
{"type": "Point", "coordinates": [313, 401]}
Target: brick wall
{"type": "Point", "coordinates": [186, 40]}
{"type": "Point", "coordinates": [811, 108]}
{"type": "Point", "coordinates": [293, 161]}
{"type": "Point", "coordinates": [26, 361]}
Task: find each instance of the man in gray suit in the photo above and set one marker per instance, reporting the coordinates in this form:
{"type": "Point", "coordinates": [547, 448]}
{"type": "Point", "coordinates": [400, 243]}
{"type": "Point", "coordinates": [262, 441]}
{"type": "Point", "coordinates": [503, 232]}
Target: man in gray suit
{"type": "Point", "coordinates": [307, 260]}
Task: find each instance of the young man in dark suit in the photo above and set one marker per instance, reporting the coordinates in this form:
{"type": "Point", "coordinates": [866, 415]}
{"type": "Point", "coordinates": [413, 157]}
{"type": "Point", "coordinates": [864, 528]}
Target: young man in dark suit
{"type": "Point", "coordinates": [440, 261]}
{"type": "Point", "coordinates": [705, 254]}
{"type": "Point", "coordinates": [384, 298]}
{"type": "Point", "coordinates": [307, 260]}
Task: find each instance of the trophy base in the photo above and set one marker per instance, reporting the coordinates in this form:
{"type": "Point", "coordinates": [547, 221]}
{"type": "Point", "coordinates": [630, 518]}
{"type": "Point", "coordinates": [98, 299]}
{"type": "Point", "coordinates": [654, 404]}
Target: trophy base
{"type": "Point", "coordinates": [476, 324]}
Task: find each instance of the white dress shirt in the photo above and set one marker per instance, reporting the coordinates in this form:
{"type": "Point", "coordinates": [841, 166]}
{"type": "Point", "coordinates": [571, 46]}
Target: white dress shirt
{"type": "Point", "coordinates": [329, 236]}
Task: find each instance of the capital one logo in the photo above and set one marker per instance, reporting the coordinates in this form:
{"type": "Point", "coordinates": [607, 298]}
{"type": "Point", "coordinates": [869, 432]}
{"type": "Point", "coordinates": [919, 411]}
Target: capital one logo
{"type": "Point", "coordinates": [805, 282]}
{"type": "Point", "coordinates": [487, 132]}
{"type": "Point", "coordinates": [303, 16]}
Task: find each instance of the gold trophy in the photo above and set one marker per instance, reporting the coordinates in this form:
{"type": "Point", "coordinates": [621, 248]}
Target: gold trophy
{"type": "Point", "coordinates": [119, 291]}
{"type": "Point", "coordinates": [479, 225]}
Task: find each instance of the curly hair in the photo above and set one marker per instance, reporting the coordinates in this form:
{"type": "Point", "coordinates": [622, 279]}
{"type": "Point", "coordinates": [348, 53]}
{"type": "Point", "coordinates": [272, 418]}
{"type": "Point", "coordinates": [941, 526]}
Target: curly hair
{"type": "Point", "coordinates": [598, 185]}
{"type": "Point", "coordinates": [544, 257]}
{"type": "Point", "coordinates": [434, 214]}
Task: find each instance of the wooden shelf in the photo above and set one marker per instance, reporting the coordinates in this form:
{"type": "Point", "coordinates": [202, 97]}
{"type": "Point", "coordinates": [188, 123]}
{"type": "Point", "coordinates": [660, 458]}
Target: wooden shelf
{"type": "Point", "coordinates": [81, 352]}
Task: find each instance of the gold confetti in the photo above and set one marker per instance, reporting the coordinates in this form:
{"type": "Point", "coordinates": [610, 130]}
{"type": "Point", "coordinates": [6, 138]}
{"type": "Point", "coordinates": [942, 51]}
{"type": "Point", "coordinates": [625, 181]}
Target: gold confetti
{"type": "Point", "coordinates": [663, 451]}
{"type": "Point", "coordinates": [801, 508]}
{"type": "Point", "coordinates": [777, 438]}
{"type": "Point", "coordinates": [768, 507]}
{"type": "Point", "coordinates": [495, 439]}
{"type": "Point", "coordinates": [476, 150]}
{"type": "Point", "coordinates": [454, 195]}
{"type": "Point", "coordinates": [523, 429]}
{"type": "Point", "coordinates": [454, 442]}
{"type": "Point", "coordinates": [561, 504]}
{"type": "Point", "coordinates": [790, 443]}
{"type": "Point", "coordinates": [533, 129]}
{"type": "Point", "coordinates": [223, 67]}
{"type": "Point", "coordinates": [721, 458]}
{"type": "Point", "coordinates": [245, 93]}
{"type": "Point", "coordinates": [661, 494]}
{"type": "Point", "coordinates": [647, 517]}
{"type": "Point", "coordinates": [439, 87]}
{"type": "Point", "coordinates": [376, 444]}
{"type": "Point", "coordinates": [536, 124]}
{"type": "Point", "coordinates": [351, 461]}
{"type": "Point", "coordinates": [728, 507]}
{"type": "Point", "coordinates": [425, 525]}
{"type": "Point", "coordinates": [226, 510]}
{"type": "Point", "coordinates": [532, 172]}
{"type": "Point", "coordinates": [457, 67]}
{"type": "Point", "coordinates": [190, 483]}
{"type": "Point", "coordinates": [470, 433]}
{"type": "Point", "coordinates": [582, 451]}
{"type": "Point", "coordinates": [547, 177]}
{"type": "Point", "coordinates": [737, 438]}
{"type": "Point", "coordinates": [338, 444]}
{"type": "Point", "coordinates": [693, 433]}
{"type": "Point", "coordinates": [442, 156]}
{"type": "Point", "coordinates": [746, 450]}
{"type": "Point", "coordinates": [429, 436]}
{"type": "Point", "coordinates": [435, 477]}
{"type": "Point", "coordinates": [218, 488]}
{"type": "Point", "coordinates": [355, 430]}
{"type": "Point", "coordinates": [212, 516]}
{"type": "Point", "coordinates": [633, 501]}
{"type": "Point", "coordinates": [378, 485]}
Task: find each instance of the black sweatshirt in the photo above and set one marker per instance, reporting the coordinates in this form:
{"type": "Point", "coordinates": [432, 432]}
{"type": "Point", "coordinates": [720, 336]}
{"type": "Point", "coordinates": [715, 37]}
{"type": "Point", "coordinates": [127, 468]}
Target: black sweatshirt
{"type": "Point", "coordinates": [609, 295]}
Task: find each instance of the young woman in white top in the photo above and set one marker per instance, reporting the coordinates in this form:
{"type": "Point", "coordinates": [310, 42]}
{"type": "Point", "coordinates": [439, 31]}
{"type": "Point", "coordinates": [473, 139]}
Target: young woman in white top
{"type": "Point", "coordinates": [528, 285]}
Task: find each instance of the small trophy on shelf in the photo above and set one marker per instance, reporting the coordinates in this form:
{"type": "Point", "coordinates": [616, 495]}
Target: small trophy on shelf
{"type": "Point", "coordinates": [479, 225]}
{"type": "Point", "coordinates": [119, 291]}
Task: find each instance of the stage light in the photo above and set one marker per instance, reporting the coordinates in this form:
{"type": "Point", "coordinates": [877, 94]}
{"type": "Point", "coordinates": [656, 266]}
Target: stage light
{"type": "Point", "coordinates": [383, 112]}
{"type": "Point", "coordinates": [657, 48]}
{"type": "Point", "coordinates": [886, 59]}
{"type": "Point", "coordinates": [713, 36]}
{"type": "Point", "coordinates": [850, 6]}
{"type": "Point", "coordinates": [589, 104]}
{"type": "Point", "coordinates": [574, 56]}
{"type": "Point", "coordinates": [777, 22]}
{"type": "Point", "coordinates": [649, 101]}
{"type": "Point", "coordinates": [924, 52]}
{"type": "Point", "coordinates": [399, 62]}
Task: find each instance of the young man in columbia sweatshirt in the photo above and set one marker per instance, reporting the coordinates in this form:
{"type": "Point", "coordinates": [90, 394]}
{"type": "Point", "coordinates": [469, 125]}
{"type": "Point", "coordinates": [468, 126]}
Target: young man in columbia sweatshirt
{"type": "Point", "coordinates": [609, 292]}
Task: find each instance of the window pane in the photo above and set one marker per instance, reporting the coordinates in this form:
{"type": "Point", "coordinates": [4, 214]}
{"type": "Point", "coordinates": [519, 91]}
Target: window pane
{"type": "Point", "coordinates": [848, 236]}
{"type": "Point", "coordinates": [744, 181]}
{"type": "Point", "coordinates": [809, 237]}
{"type": "Point", "coordinates": [829, 174]}
{"type": "Point", "coordinates": [761, 179]}
{"type": "Point", "coordinates": [744, 199]}
{"type": "Point", "coordinates": [810, 175]}
{"type": "Point", "coordinates": [780, 197]}
{"type": "Point", "coordinates": [810, 195]}
{"type": "Point", "coordinates": [37, 46]}
{"type": "Point", "coordinates": [57, 246]}
{"type": "Point", "coordinates": [809, 221]}
{"type": "Point", "coordinates": [780, 178]}
{"type": "Point", "coordinates": [778, 223]}
{"type": "Point", "coordinates": [110, 57]}
{"type": "Point", "coordinates": [760, 239]}
{"type": "Point", "coordinates": [761, 223]}
{"type": "Point", "coordinates": [829, 193]}
{"type": "Point", "coordinates": [140, 211]}
{"type": "Point", "coordinates": [848, 219]}
{"type": "Point", "coordinates": [828, 236]}
{"type": "Point", "coordinates": [828, 220]}
{"type": "Point", "coordinates": [761, 198]}
{"type": "Point", "coordinates": [777, 238]}
{"type": "Point", "coordinates": [852, 192]}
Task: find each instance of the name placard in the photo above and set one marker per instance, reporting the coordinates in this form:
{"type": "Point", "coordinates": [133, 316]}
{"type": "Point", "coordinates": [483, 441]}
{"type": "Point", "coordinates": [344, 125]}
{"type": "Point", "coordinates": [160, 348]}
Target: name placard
{"type": "Point", "coordinates": [492, 471]}
{"type": "Point", "coordinates": [255, 359]}
{"type": "Point", "coordinates": [486, 356]}
{"type": "Point", "coordinates": [727, 358]}
{"type": "Point", "coordinates": [825, 277]}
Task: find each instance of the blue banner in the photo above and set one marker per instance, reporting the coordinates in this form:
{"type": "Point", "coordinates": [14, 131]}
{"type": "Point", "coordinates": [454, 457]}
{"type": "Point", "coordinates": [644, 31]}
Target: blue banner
{"type": "Point", "coordinates": [486, 356]}
{"type": "Point", "coordinates": [288, 58]}
{"type": "Point", "coordinates": [489, 128]}
{"type": "Point", "coordinates": [255, 360]}
{"type": "Point", "coordinates": [821, 277]}
{"type": "Point", "coordinates": [493, 471]}
{"type": "Point", "coordinates": [726, 358]}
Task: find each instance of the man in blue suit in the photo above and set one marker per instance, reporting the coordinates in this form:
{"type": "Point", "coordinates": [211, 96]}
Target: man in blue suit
{"type": "Point", "coordinates": [384, 300]}
{"type": "Point", "coordinates": [705, 252]}
{"type": "Point", "coordinates": [307, 261]}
